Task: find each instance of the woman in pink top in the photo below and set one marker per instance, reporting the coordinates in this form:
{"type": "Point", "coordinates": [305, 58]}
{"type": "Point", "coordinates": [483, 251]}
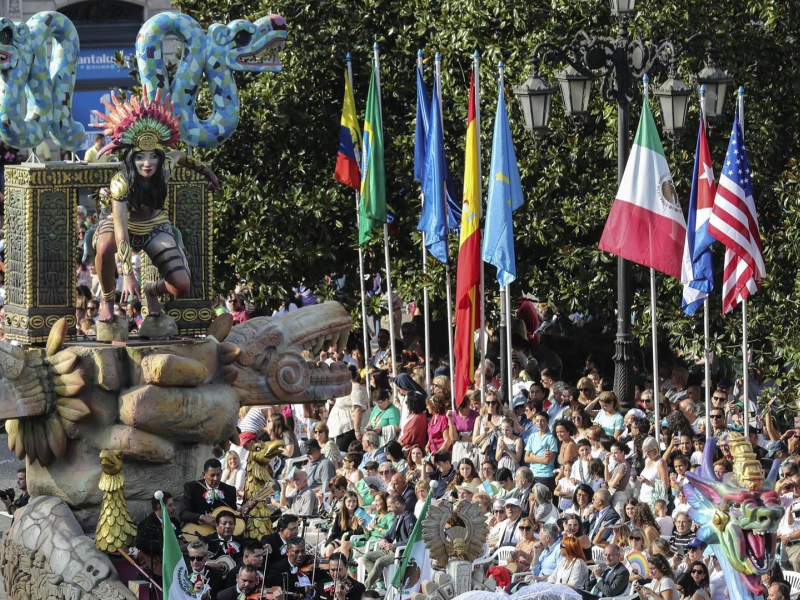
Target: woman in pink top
{"type": "Point", "coordinates": [439, 437]}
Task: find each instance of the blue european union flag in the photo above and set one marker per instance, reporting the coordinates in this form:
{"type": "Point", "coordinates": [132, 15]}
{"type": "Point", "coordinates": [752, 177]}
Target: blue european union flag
{"type": "Point", "coordinates": [433, 220]}
{"type": "Point", "coordinates": [505, 196]}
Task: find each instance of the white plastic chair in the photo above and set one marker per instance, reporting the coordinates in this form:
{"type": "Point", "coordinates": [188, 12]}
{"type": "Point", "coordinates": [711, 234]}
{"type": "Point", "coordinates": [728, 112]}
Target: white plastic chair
{"type": "Point", "coordinates": [500, 555]}
{"type": "Point", "coordinates": [793, 577]}
{"type": "Point", "coordinates": [361, 570]}
{"type": "Point", "coordinates": [388, 572]}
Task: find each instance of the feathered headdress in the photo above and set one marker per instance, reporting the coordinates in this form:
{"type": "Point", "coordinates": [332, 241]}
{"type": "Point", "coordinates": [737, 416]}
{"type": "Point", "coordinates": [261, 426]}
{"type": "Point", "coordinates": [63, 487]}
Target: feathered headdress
{"type": "Point", "coordinates": [142, 125]}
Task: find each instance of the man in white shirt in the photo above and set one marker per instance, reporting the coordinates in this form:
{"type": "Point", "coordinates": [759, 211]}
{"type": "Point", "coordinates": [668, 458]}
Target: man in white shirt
{"type": "Point", "coordinates": [510, 533]}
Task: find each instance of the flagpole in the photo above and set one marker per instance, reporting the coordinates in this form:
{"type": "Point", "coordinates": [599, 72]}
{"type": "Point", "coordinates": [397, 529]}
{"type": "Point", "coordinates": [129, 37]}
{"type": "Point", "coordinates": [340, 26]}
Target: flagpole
{"type": "Point", "coordinates": [706, 309]}
{"type": "Point", "coordinates": [390, 299]}
{"type": "Point", "coordinates": [745, 366]}
{"type": "Point", "coordinates": [654, 316]}
{"type": "Point", "coordinates": [449, 320]}
{"type": "Point", "coordinates": [425, 305]}
{"type": "Point", "coordinates": [360, 252]}
{"type": "Point", "coordinates": [476, 61]}
{"type": "Point", "coordinates": [509, 348]}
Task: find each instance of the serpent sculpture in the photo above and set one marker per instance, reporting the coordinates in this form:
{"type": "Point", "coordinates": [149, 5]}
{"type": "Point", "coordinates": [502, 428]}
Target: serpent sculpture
{"type": "Point", "coordinates": [739, 519]}
{"type": "Point", "coordinates": [115, 528]}
{"type": "Point", "coordinates": [47, 89]}
{"type": "Point", "coordinates": [238, 46]}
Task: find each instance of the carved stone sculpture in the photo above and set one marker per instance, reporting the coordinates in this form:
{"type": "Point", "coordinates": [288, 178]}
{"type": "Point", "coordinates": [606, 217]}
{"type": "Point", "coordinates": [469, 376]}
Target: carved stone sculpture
{"type": "Point", "coordinates": [259, 486]}
{"type": "Point", "coordinates": [115, 528]}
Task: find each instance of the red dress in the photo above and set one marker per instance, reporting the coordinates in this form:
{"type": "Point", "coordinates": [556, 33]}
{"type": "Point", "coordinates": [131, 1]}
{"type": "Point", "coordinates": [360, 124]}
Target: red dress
{"type": "Point", "coordinates": [415, 432]}
{"type": "Point", "coordinates": [436, 428]}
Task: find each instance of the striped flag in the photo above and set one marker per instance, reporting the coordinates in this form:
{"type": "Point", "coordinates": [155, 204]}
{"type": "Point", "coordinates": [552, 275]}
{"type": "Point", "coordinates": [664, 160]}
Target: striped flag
{"type": "Point", "coordinates": [697, 272]}
{"type": "Point", "coordinates": [734, 223]}
{"type": "Point", "coordinates": [468, 276]}
{"type": "Point", "coordinates": [646, 222]}
{"type": "Point", "coordinates": [347, 168]}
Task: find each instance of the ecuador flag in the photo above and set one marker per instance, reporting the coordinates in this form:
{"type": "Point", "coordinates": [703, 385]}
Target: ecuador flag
{"type": "Point", "coordinates": [347, 167]}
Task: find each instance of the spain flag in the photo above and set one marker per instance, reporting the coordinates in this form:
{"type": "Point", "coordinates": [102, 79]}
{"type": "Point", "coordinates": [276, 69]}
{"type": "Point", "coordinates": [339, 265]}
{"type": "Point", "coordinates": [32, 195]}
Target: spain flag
{"type": "Point", "coordinates": [347, 168]}
{"type": "Point", "coordinates": [468, 275]}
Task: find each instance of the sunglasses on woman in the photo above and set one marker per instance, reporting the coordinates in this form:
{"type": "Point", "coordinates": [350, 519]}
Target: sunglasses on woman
{"type": "Point", "coordinates": [698, 572]}
{"type": "Point", "coordinates": [525, 528]}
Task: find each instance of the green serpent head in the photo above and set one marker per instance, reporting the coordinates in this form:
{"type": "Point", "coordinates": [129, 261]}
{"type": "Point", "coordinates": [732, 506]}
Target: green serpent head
{"type": "Point", "coordinates": [246, 46]}
{"type": "Point", "coordinates": [14, 38]}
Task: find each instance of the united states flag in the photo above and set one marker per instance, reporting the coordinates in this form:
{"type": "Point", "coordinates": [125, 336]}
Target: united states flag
{"type": "Point", "coordinates": [734, 223]}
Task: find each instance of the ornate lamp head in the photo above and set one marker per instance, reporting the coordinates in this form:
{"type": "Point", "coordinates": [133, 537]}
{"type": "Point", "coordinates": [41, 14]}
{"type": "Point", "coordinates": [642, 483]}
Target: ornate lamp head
{"type": "Point", "coordinates": [143, 125]}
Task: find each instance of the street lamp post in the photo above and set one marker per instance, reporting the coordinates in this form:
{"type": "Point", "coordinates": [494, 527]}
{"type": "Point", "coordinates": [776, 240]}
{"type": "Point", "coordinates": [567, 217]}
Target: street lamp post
{"type": "Point", "coordinates": [618, 63]}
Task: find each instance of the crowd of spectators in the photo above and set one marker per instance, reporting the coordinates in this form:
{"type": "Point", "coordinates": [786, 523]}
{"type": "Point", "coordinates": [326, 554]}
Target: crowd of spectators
{"type": "Point", "coordinates": [579, 491]}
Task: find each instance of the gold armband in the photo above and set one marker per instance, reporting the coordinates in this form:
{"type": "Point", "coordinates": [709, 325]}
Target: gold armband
{"type": "Point", "coordinates": [118, 189]}
{"type": "Point", "coordinates": [194, 164]}
{"type": "Point", "coordinates": [125, 252]}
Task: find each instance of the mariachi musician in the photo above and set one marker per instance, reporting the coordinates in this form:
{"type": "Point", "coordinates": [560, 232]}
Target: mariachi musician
{"type": "Point", "coordinates": [337, 584]}
{"type": "Point", "coordinates": [201, 497]}
{"type": "Point", "coordinates": [288, 573]}
{"type": "Point", "coordinates": [150, 533]}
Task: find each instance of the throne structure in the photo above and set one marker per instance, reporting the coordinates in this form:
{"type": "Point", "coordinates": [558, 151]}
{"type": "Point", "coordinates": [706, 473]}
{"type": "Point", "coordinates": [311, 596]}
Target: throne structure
{"type": "Point", "coordinates": [40, 229]}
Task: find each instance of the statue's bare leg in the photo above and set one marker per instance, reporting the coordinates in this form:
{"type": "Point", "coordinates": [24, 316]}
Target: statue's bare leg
{"type": "Point", "coordinates": [106, 266]}
{"type": "Point", "coordinates": [168, 259]}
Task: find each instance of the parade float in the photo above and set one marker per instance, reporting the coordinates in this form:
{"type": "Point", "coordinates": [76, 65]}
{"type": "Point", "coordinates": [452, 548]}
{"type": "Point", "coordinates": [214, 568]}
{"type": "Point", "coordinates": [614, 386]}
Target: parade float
{"type": "Point", "coordinates": [103, 423]}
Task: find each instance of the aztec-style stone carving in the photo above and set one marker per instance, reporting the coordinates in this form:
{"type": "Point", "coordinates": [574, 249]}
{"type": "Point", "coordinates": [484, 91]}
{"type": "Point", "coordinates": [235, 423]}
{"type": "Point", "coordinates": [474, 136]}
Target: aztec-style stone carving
{"type": "Point", "coordinates": [258, 485]}
{"type": "Point", "coordinates": [45, 556]}
{"type": "Point", "coordinates": [115, 527]}
{"type": "Point", "coordinates": [160, 405]}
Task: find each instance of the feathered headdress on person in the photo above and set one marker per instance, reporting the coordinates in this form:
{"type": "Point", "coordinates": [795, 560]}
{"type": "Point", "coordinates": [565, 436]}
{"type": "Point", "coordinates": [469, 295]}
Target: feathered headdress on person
{"type": "Point", "coordinates": [143, 125]}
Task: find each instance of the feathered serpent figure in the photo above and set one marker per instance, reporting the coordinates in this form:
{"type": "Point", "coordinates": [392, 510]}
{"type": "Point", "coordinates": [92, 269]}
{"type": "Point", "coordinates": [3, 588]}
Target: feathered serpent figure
{"type": "Point", "coordinates": [738, 519]}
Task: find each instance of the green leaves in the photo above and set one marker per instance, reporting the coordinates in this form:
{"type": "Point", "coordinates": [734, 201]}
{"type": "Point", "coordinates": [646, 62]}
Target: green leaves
{"type": "Point", "coordinates": [281, 216]}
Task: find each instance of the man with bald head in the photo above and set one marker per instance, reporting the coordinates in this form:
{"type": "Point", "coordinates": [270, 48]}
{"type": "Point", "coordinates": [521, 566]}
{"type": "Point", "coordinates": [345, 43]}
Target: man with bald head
{"type": "Point", "coordinates": [400, 486]}
{"type": "Point", "coordinates": [297, 497]}
{"type": "Point", "coordinates": [611, 580]}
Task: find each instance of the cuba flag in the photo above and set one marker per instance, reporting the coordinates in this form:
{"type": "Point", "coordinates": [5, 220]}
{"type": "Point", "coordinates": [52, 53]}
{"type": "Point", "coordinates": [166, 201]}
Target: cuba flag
{"type": "Point", "coordinates": [697, 273]}
{"type": "Point", "coordinates": [505, 196]}
{"type": "Point", "coordinates": [347, 169]}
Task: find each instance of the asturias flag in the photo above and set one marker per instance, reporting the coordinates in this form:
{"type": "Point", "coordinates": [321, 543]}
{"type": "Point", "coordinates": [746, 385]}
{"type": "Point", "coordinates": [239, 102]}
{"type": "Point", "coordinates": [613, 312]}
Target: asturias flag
{"type": "Point", "coordinates": [468, 276]}
{"type": "Point", "coordinates": [505, 196]}
{"type": "Point", "coordinates": [347, 168]}
{"type": "Point", "coordinates": [697, 272]}
{"type": "Point", "coordinates": [372, 212]}
{"type": "Point", "coordinates": [178, 580]}
{"type": "Point", "coordinates": [646, 222]}
{"type": "Point", "coordinates": [433, 219]}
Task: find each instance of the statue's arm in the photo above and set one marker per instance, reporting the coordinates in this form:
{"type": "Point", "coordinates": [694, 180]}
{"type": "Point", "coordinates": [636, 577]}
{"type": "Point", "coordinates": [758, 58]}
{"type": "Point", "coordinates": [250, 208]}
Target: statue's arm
{"type": "Point", "coordinates": [184, 160]}
{"type": "Point", "coordinates": [130, 286]}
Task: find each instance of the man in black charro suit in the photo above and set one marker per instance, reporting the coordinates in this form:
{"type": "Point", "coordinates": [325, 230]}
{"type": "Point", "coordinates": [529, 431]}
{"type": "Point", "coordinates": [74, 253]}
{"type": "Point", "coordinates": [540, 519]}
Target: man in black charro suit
{"type": "Point", "coordinates": [201, 497]}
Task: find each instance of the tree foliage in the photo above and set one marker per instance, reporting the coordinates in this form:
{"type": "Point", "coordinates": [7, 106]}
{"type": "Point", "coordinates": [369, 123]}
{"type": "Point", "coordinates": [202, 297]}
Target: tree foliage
{"type": "Point", "coordinates": [282, 217]}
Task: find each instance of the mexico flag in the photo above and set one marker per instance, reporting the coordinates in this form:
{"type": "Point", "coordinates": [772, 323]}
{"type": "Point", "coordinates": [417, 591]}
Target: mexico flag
{"type": "Point", "coordinates": [178, 581]}
{"type": "Point", "coordinates": [646, 223]}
